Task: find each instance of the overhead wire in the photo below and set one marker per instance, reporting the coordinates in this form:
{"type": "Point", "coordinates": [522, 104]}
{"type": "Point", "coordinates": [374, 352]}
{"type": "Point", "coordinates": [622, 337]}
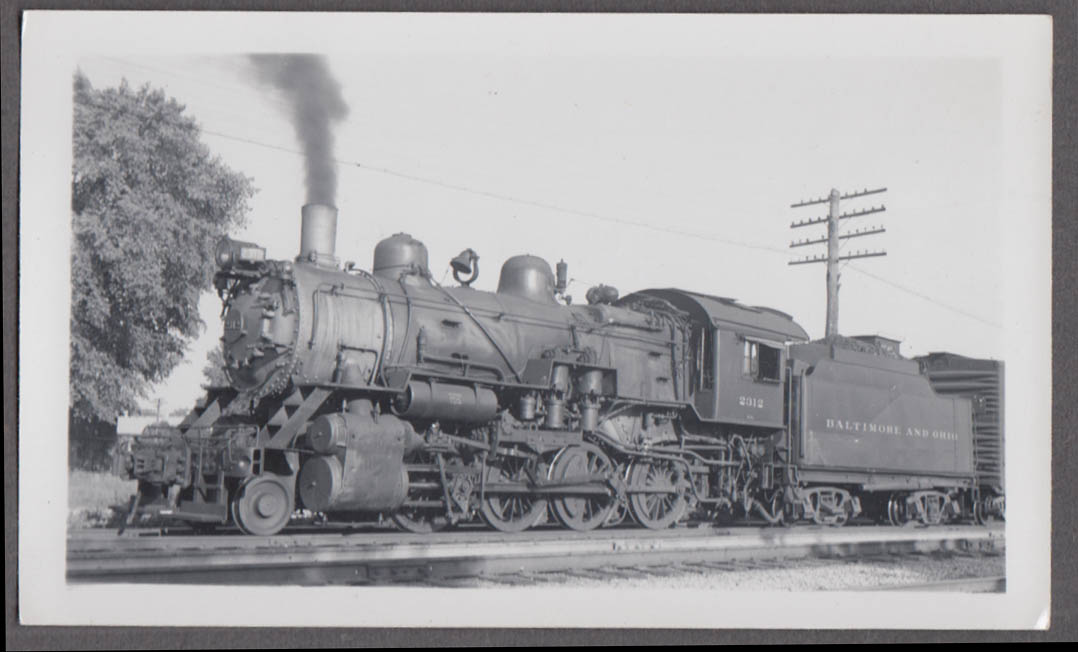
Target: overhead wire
{"type": "Point", "coordinates": [508, 198]}
{"type": "Point", "coordinates": [849, 263]}
{"type": "Point", "coordinates": [554, 207]}
{"type": "Point", "coordinates": [925, 297]}
{"type": "Point", "coordinates": [538, 204]}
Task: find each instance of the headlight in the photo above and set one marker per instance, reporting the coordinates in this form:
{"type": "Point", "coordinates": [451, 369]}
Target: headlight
{"type": "Point", "coordinates": [233, 252]}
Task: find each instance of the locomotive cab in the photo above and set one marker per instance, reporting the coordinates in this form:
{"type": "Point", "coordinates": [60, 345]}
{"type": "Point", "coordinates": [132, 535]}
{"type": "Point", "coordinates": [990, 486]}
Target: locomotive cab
{"type": "Point", "coordinates": [737, 359]}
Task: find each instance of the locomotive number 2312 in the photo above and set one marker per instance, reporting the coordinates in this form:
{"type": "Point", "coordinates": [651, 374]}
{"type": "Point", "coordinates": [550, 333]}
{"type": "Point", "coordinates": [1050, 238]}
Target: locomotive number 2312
{"type": "Point", "coordinates": [750, 401]}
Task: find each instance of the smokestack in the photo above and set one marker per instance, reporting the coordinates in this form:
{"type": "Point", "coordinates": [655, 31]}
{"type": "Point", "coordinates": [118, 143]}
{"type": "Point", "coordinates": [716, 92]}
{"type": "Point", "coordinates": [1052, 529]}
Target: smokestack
{"type": "Point", "coordinates": [318, 235]}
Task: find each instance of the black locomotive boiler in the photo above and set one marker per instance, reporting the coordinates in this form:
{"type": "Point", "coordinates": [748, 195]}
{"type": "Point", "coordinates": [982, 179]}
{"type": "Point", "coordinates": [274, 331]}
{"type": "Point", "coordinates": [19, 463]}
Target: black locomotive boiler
{"type": "Point", "coordinates": [358, 394]}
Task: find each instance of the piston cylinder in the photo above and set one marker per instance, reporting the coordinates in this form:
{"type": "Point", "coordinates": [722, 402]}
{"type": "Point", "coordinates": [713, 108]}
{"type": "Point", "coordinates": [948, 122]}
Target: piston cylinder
{"type": "Point", "coordinates": [427, 400]}
{"type": "Point", "coordinates": [328, 433]}
{"type": "Point", "coordinates": [362, 465]}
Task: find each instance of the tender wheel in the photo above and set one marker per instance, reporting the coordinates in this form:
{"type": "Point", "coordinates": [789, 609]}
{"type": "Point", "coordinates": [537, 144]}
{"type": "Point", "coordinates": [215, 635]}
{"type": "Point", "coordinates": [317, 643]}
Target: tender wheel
{"type": "Point", "coordinates": [263, 505]}
{"type": "Point", "coordinates": [661, 502]}
{"type": "Point", "coordinates": [582, 462]}
{"type": "Point", "coordinates": [987, 510]}
{"type": "Point", "coordinates": [896, 510]}
{"type": "Point", "coordinates": [511, 512]}
{"type": "Point", "coordinates": [421, 521]}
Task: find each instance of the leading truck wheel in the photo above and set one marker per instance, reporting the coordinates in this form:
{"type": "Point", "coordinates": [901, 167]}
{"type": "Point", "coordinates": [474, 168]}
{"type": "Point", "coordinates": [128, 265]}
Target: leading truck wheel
{"type": "Point", "coordinates": [263, 505]}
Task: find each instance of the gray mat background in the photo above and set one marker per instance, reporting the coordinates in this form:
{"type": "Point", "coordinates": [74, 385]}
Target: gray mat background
{"type": "Point", "coordinates": [1064, 367]}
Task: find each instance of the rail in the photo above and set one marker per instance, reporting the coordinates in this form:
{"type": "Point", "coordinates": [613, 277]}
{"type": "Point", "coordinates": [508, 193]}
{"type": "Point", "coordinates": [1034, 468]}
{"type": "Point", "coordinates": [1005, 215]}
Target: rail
{"type": "Point", "coordinates": [382, 557]}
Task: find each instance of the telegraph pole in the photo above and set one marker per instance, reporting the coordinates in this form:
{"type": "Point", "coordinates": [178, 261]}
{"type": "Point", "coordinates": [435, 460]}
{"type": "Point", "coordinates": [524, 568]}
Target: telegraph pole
{"type": "Point", "coordinates": [832, 265]}
{"type": "Point", "coordinates": [834, 236]}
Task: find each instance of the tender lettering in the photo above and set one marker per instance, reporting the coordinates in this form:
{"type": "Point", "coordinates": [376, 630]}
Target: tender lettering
{"type": "Point", "coordinates": [847, 425]}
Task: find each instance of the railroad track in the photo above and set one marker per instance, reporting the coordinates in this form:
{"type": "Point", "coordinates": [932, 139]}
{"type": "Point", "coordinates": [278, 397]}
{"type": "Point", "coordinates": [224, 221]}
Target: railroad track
{"type": "Point", "coordinates": [366, 558]}
{"type": "Point", "coordinates": [381, 558]}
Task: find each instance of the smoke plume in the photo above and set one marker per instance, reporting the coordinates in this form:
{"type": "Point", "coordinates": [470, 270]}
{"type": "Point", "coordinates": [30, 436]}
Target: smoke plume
{"type": "Point", "coordinates": [316, 103]}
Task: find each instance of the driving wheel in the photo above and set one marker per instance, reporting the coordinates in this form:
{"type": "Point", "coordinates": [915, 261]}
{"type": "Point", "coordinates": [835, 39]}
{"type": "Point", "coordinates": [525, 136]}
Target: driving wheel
{"type": "Point", "coordinates": [656, 499]}
{"type": "Point", "coordinates": [511, 512]}
{"type": "Point", "coordinates": [584, 464]}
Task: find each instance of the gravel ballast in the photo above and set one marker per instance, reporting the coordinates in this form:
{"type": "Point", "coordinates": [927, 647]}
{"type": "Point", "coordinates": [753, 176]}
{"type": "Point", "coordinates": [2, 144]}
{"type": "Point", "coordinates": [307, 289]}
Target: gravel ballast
{"type": "Point", "coordinates": [794, 575]}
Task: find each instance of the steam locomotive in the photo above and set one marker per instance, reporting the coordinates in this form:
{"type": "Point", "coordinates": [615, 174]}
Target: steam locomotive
{"type": "Point", "coordinates": [382, 394]}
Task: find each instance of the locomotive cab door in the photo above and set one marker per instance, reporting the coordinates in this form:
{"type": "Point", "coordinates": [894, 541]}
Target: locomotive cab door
{"type": "Point", "coordinates": [705, 366]}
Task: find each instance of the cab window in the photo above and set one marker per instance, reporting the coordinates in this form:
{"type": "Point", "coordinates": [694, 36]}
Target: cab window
{"type": "Point", "coordinates": [761, 362]}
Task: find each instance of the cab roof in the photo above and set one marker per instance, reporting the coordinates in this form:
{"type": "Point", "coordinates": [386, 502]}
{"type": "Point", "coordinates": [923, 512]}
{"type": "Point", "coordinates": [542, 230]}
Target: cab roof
{"type": "Point", "coordinates": [728, 314]}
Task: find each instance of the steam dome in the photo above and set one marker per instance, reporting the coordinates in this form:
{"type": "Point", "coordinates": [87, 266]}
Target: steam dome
{"type": "Point", "coordinates": [527, 277]}
{"type": "Point", "coordinates": [400, 253]}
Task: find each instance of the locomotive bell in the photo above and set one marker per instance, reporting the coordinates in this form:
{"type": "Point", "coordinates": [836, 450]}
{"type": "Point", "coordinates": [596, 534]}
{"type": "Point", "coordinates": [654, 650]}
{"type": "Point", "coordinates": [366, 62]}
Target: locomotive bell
{"type": "Point", "coordinates": [465, 264]}
{"type": "Point", "coordinates": [462, 264]}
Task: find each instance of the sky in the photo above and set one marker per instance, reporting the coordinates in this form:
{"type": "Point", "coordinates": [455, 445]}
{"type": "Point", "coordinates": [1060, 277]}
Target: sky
{"type": "Point", "coordinates": [641, 167]}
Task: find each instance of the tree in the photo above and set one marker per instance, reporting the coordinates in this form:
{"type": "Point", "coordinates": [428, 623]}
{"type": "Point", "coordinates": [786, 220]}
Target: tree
{"type": "Point", "coordinates": [214, 370]}
{"type": "Point", "coordinates": [148, 204]}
